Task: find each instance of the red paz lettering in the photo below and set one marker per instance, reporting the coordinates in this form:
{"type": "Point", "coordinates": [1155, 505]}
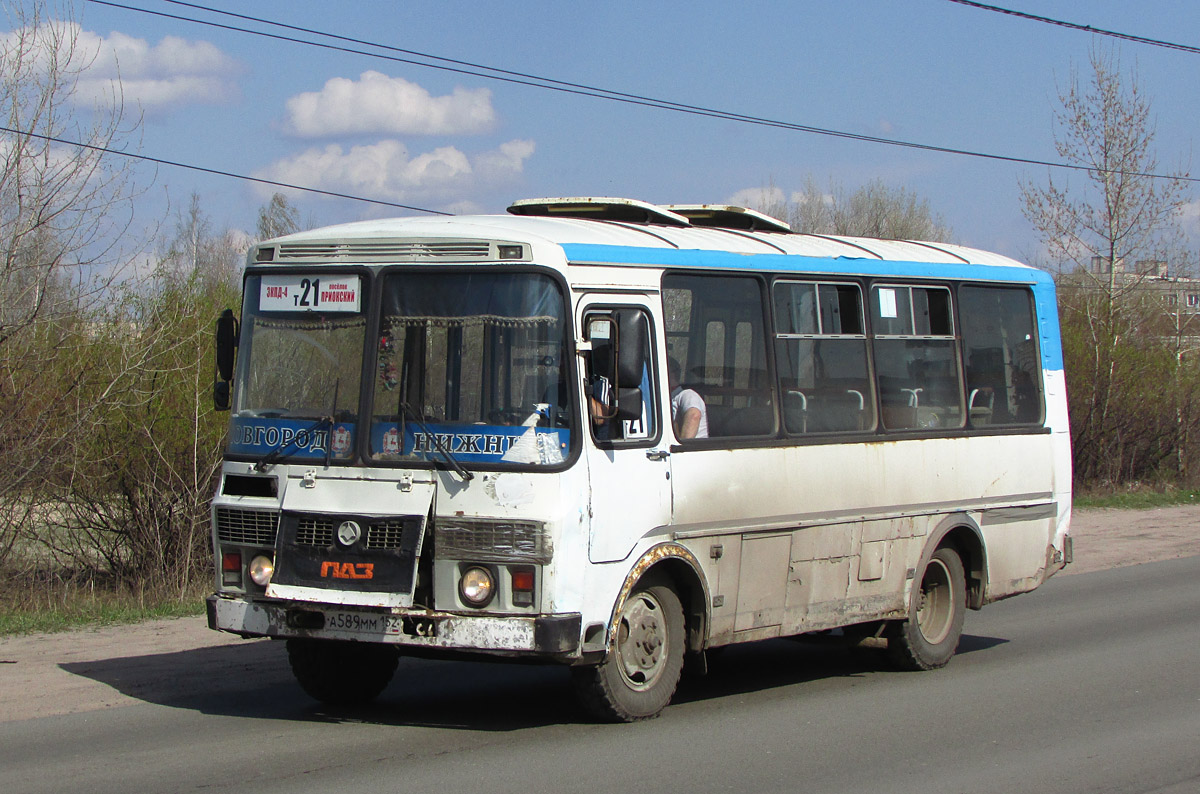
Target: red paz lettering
{"type": "Point", "coordinates": [347, 570]}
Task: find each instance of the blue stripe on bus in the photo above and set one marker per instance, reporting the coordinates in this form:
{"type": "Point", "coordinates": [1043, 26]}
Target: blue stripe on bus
{"type": "Point", "coordinates": [1039, 280]}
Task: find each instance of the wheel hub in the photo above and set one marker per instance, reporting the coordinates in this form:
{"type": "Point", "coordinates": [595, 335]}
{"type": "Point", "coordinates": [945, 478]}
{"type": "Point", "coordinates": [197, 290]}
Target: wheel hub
{"type": "Point", "coordinates": [641, 642]}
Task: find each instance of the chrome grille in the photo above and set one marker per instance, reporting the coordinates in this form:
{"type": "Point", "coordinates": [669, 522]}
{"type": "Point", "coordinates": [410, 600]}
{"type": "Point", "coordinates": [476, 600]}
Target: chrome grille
{"type": "Point", "coordinates": [492, 541]}
{"type": "Point", "coordinates": [314, 532]}
{"type": "Point", "coordinates": [385, 535]}
{"type": "Point", "coordinates": [247, 527]}
{"type": "Point", "coordinates": [405, 251]}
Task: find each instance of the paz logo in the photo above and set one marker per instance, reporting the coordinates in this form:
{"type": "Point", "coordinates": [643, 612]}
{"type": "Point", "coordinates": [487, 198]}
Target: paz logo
{"type": "Point", "coordinates": [348, 533]}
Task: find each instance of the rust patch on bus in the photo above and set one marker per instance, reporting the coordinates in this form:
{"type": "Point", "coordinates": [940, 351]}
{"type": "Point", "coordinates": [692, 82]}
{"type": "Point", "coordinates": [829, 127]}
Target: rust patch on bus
{"type": "Point", "coordinates": [663, 551]}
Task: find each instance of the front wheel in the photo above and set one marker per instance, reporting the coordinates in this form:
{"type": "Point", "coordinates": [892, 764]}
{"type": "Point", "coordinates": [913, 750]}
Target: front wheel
{"type": "Point", "coordinates": [930, 635]}
{"type": "Point", "coordinates": [342, 673]}
{"type": "Point", "coordinates": [639, 676]}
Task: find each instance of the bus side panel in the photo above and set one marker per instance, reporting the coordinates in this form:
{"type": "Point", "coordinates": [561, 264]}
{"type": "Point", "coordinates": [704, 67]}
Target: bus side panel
{"type": "Point", "coordinates": [828, 534]}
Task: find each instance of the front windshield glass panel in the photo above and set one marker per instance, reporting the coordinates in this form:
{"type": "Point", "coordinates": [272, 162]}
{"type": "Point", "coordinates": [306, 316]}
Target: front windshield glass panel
{"type": "Point", "coordinates": [472, 364]}
{"type": "Point", "coordinates": [299, 366]}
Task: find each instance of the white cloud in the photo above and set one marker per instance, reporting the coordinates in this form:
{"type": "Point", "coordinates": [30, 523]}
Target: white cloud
{"type": "Point", "coordinates": [757, 197]}
{"type": "Point", "coordinates": [385, 170]}
{"type": "Point", "coordinates": [173, 72]}
{"type": "Point", "coordinates": [376, 103]}
{"type": "Point", "coordinates": [1189, 214]}
{"type": "Point", "coordinates": [464, 207]}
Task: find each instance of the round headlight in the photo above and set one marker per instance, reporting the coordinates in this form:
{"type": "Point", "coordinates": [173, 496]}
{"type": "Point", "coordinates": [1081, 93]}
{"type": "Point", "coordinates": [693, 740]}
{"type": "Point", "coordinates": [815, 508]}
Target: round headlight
{"type": "Point", "coordinates": [477, 586]}
{"type": "Point", "coordinates": [261, 569]}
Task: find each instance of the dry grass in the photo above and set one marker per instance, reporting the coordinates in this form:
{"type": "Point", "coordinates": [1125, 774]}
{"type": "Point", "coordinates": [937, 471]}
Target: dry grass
{"type": "Point", "coordinates": [42, 600]}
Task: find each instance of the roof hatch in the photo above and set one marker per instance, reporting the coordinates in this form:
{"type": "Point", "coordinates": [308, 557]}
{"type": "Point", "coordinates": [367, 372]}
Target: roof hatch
{"type": "Point", "coordinates": [726, 216]}
{"type": "Point", "coordinates": [599, 209]}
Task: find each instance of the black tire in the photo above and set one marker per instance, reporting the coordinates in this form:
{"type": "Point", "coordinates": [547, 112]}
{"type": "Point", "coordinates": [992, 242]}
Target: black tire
{"type": "Point", "coordinates": [638, 678]}
{"type": "Point", "coordinates": [929, 637]}
{"type": "Point", "coordinates": [342, 673]}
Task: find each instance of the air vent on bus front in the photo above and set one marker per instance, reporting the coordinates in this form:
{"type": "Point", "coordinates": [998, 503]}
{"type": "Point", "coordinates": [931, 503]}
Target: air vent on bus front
{"type": "Point", "coordinates": [390, 251]}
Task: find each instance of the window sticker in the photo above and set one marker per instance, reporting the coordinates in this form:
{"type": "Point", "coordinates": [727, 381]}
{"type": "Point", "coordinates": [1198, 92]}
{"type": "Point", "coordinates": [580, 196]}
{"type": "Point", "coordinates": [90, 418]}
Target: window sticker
{"type": "Point", "coordinates": [887, 303]}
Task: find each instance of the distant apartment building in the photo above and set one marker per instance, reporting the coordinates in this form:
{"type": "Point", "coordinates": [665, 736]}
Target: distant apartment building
{"type": "Point", "coordinates": [1179, 294]}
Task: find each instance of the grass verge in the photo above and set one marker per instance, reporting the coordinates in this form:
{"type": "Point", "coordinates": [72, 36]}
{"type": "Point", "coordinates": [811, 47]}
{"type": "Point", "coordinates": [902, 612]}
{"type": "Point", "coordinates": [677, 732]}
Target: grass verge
{"type": "Point", "coordinates": [28, 608]}
{"type": "Point", "coordinates": [1135, 498]}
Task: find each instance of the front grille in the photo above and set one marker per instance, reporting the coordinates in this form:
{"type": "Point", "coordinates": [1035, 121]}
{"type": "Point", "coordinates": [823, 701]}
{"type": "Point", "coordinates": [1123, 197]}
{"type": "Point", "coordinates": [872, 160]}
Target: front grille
{"type": "Point", "coordinates": [385, 535]}
{"type": "Point", "coordinates": [390, 251]}
{"type": "Point", "coordinates": [492, 541]}
{"type": "Point", "coordinates": [247, 527]}
{"type": "Point", "coordinates": [314, 532]}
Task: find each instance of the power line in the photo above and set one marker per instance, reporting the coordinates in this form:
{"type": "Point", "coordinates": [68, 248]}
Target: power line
{"type": "Point", "coordinates": [535, 81]}
{"type": "Point", "coordinates": [175, 164]}
{"type": "Point", "coordinates": [1075, 26]}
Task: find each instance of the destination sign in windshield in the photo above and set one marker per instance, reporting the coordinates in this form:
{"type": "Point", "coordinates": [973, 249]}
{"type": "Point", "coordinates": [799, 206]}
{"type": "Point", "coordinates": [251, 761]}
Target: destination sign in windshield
{"type": "Point", "coordinates": [321, 292]}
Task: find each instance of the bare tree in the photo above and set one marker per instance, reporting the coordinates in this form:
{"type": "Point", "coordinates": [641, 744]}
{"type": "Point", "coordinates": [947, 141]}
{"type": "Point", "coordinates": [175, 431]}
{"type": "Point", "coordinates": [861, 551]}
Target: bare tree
{"type": "Point", "coordinates": [1108, 235]}
{"type": "Point", "coordinates": [277, 217]}
{"type": "Point", "coordinates": [1120, 214]}
{"type": "Point", "coordinates": [873, 210]}
{"type": "Point", "coordinates": [63, 213]}
{"type": "Point", "coordinates": [63, 208]}
{"type": "Point", "coordinates": [195, 250]}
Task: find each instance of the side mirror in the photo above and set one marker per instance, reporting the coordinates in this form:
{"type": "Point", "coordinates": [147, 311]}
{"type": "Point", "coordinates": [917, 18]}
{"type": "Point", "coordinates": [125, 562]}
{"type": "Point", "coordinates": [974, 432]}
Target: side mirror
{"type": "Point", "coordinates": [631, 359]}
{"type": "Point", "coordinates": [221, 395]}
{"type": "Point", "coordinates": [618, 344]}
{"type": "Point", "coordinates": [227, 342]}
{"type": "Point", "coordinates": [602, 370]}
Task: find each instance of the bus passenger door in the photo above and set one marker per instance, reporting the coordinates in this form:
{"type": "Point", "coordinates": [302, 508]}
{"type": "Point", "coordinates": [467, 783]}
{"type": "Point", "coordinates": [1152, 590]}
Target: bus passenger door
{"type": "Point", "coordinates": [627, 455]}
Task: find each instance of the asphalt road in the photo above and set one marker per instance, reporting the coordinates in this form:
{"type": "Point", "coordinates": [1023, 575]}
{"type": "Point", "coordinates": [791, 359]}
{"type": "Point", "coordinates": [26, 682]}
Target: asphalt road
{"type": "Point", "coordinates": [1091, 684]}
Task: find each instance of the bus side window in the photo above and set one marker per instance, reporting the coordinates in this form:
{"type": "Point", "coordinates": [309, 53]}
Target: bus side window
{"type": "Point", "coordinates": [1003, 371]}
{"type": "Point", "coordinates": [916, 357]}
{"type": "Point", "coordinates": [821, 355]}
{"type": "Point", "coordinates": [716, 331]}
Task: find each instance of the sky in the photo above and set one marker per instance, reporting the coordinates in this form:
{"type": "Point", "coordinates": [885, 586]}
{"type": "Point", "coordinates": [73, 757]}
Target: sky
{"type": "Point", "coordinates": [928, 71]}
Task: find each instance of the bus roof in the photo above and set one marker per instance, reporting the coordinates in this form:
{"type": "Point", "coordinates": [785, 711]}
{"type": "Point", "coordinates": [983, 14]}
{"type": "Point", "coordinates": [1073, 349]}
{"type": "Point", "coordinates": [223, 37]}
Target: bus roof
{"type": "Point", "coordinates": [542, 220]}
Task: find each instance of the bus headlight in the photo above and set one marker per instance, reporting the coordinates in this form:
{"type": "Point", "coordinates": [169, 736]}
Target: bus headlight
{"type": "Point", "coordinates": [477, 586]}
{"type": "Point", "coordinates": [261, 569]}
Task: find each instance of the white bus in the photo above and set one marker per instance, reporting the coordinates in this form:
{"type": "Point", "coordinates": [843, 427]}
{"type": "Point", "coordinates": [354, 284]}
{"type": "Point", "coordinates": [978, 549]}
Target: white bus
{"type": "Point", "coordinates": [455, 436]}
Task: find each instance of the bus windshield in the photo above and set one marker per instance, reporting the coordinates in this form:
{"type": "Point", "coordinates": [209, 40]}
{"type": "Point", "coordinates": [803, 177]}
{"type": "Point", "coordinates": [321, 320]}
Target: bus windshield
{"type": "Point", "coordinates": [299, 369]}
{"type": "Point", "coordinates": [471, 363]}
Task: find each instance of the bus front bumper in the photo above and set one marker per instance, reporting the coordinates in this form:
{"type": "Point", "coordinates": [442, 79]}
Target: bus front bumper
{"type": "Point", "coordinates": [555, 635]}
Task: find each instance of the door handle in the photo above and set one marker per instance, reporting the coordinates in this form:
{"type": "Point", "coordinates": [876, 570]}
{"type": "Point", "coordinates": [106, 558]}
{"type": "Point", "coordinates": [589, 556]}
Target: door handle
{"type": "Point", "coordinates": [657, 454]}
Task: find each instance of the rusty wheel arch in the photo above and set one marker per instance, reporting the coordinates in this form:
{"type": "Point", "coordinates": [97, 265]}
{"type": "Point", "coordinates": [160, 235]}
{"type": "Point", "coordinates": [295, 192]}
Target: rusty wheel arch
{"type": "Point", "coordinates": [961, 533]}
{"type": "Point", "coordinates": [679, 568]}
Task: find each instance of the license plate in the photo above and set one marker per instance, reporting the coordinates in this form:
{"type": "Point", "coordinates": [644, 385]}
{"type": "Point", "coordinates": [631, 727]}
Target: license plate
{"type": "Point", "coordinates": [375, 624]}
{"type": "Point", "coordinates": [364, 623]}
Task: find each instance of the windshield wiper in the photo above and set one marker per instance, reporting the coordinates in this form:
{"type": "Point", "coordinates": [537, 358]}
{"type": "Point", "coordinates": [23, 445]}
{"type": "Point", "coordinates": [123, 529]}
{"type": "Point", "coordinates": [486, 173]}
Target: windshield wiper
{"type": "Point", "coordinates": [437, 443]}
{"type": "Point", "coordinates": [273, 457]}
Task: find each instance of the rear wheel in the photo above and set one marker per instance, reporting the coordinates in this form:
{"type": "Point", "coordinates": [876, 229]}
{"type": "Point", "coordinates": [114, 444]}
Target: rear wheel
{"type": "Point", "coordinates": [342, 673]}
{"type": "Point", "coordinates": [639, 676]}
{"type": "Point", "coordinates": [930, 635]}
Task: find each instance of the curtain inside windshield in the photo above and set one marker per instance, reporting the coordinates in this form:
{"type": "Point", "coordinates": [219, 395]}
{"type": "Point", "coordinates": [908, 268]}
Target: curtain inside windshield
{"type": "Point", "coordinates": [476, 360]}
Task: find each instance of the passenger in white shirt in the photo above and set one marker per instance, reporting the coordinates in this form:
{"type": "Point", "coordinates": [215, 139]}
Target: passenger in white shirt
{"type": "Point", "coordinates": [688, 412]}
